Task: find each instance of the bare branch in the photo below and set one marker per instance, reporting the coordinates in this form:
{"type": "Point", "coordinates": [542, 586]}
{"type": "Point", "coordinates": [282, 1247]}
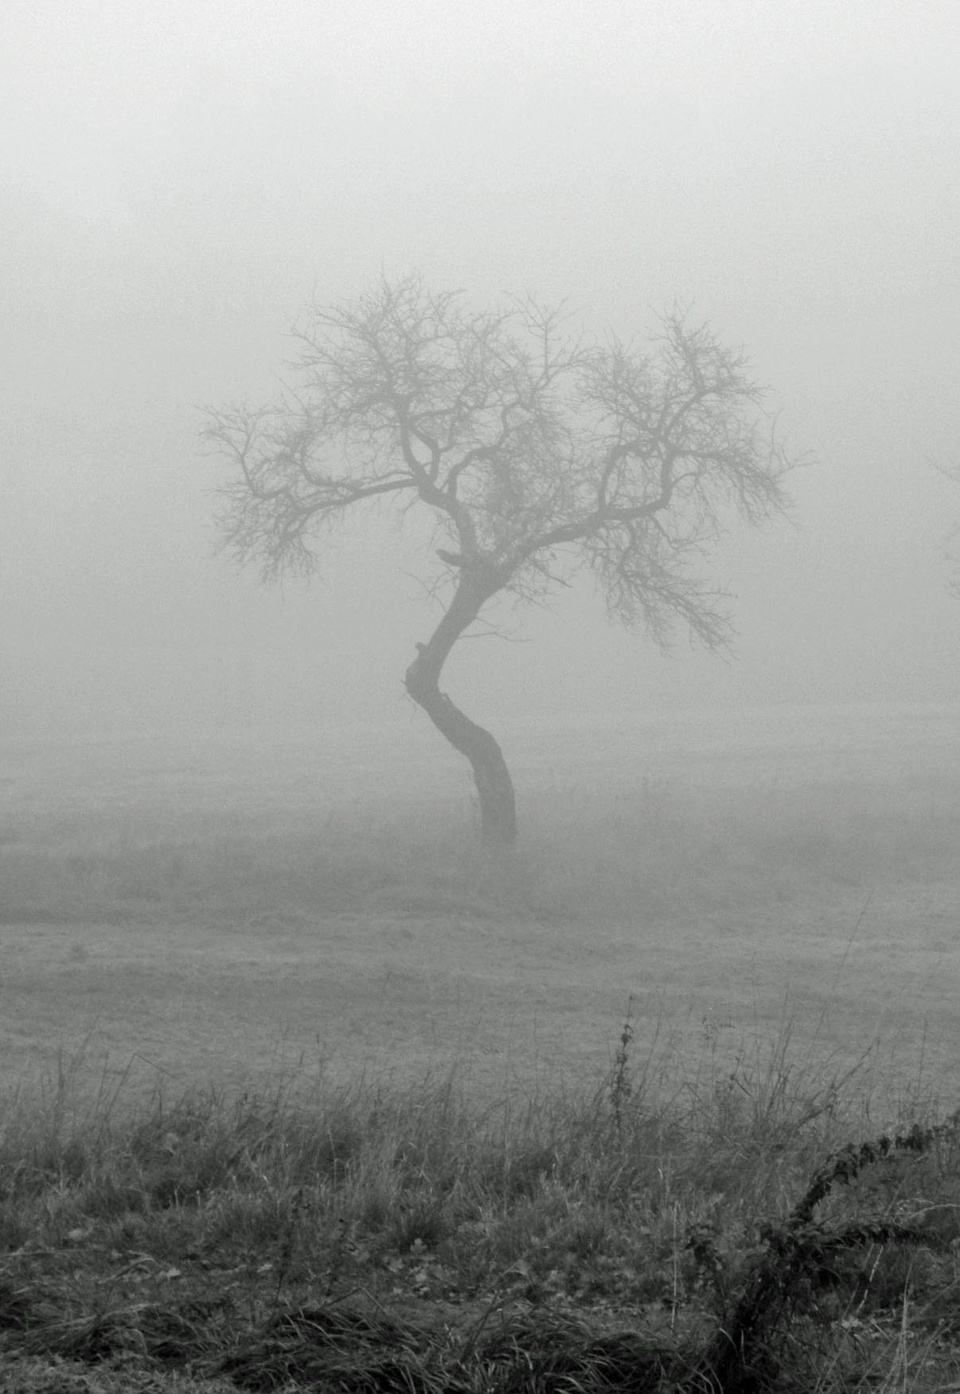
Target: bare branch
{"type": "Point", "coordinates": [535, 450]}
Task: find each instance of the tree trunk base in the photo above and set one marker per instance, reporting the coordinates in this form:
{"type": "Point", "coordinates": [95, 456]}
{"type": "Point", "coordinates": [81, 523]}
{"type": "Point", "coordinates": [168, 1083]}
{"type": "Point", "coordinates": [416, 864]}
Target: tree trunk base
{"type": "Point", "coordinates": [498, 807]}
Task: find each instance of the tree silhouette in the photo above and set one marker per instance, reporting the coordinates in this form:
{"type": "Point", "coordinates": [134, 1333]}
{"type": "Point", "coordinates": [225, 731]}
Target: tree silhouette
{"type": "Point", "coordinates": [537, 452]}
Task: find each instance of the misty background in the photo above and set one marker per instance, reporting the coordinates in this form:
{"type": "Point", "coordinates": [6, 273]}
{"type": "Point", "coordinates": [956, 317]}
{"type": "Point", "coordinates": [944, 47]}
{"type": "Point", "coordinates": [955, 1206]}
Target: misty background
{"type": "Point", "coordinates": [179, 180]}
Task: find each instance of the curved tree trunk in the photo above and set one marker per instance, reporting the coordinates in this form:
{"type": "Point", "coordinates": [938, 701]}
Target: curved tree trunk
{"type": "Point", "coordinates": [498, 813]}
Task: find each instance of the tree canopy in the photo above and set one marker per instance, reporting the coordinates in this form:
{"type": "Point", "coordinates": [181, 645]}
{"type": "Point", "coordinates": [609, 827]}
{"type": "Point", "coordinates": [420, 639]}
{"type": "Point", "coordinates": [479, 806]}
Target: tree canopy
{"type": "Point", "coordinates": [538, 452]}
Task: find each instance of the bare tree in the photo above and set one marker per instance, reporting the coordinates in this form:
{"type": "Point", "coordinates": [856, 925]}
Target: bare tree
{"type": "Point", "coordinates": [536, 451]}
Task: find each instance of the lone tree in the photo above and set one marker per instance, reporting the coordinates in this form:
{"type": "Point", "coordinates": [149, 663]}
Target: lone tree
{"type": "Point", "coordinates": [537, 453]}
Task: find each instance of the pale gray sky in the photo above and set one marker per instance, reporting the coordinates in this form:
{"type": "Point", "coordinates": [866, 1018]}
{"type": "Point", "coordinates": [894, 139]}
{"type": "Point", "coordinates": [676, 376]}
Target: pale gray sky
{"type": "Point", "coordinates": [178, 179]}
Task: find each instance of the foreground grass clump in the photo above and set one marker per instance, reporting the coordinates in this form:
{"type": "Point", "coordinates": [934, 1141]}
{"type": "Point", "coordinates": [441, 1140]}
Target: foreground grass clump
{"type": "Point", "coordinates": [742, 1233]}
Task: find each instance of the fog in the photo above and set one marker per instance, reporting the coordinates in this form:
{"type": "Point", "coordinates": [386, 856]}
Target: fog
{"type": "Point", "coordinates": [179, 180]}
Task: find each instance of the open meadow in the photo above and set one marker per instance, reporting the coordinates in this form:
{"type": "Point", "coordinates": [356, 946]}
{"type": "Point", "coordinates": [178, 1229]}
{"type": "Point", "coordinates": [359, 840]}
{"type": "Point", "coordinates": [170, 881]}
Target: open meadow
{"type": "Point", "coordinates": [302, 1090]}
{"type": "Point", "coordinates": [214, 906]}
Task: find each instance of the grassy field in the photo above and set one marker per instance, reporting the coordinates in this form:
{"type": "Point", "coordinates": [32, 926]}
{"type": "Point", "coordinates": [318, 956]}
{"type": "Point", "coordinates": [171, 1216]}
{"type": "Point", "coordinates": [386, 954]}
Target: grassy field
{"type": "Point", "coordinates": [216, 907]}
{"type": "Point", "coordinates": [267, 1012]}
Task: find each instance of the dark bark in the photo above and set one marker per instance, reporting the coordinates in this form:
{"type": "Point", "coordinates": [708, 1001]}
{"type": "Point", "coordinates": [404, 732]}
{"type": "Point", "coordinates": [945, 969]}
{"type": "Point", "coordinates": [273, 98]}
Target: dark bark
{"type": "Point", "coordinates": [498, 813]}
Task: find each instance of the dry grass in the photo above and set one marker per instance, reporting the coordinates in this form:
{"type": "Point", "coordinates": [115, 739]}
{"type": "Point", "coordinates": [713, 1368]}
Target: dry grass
{"type": "Point", "coordinates": [305, 1091]}
{"type": "Point", "coordinates": [642, 1233]}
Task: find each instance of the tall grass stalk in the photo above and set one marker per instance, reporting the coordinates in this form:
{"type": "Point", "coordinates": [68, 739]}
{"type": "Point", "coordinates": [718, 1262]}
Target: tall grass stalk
{"type": "Point", "coordinates": [181, 1230]}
